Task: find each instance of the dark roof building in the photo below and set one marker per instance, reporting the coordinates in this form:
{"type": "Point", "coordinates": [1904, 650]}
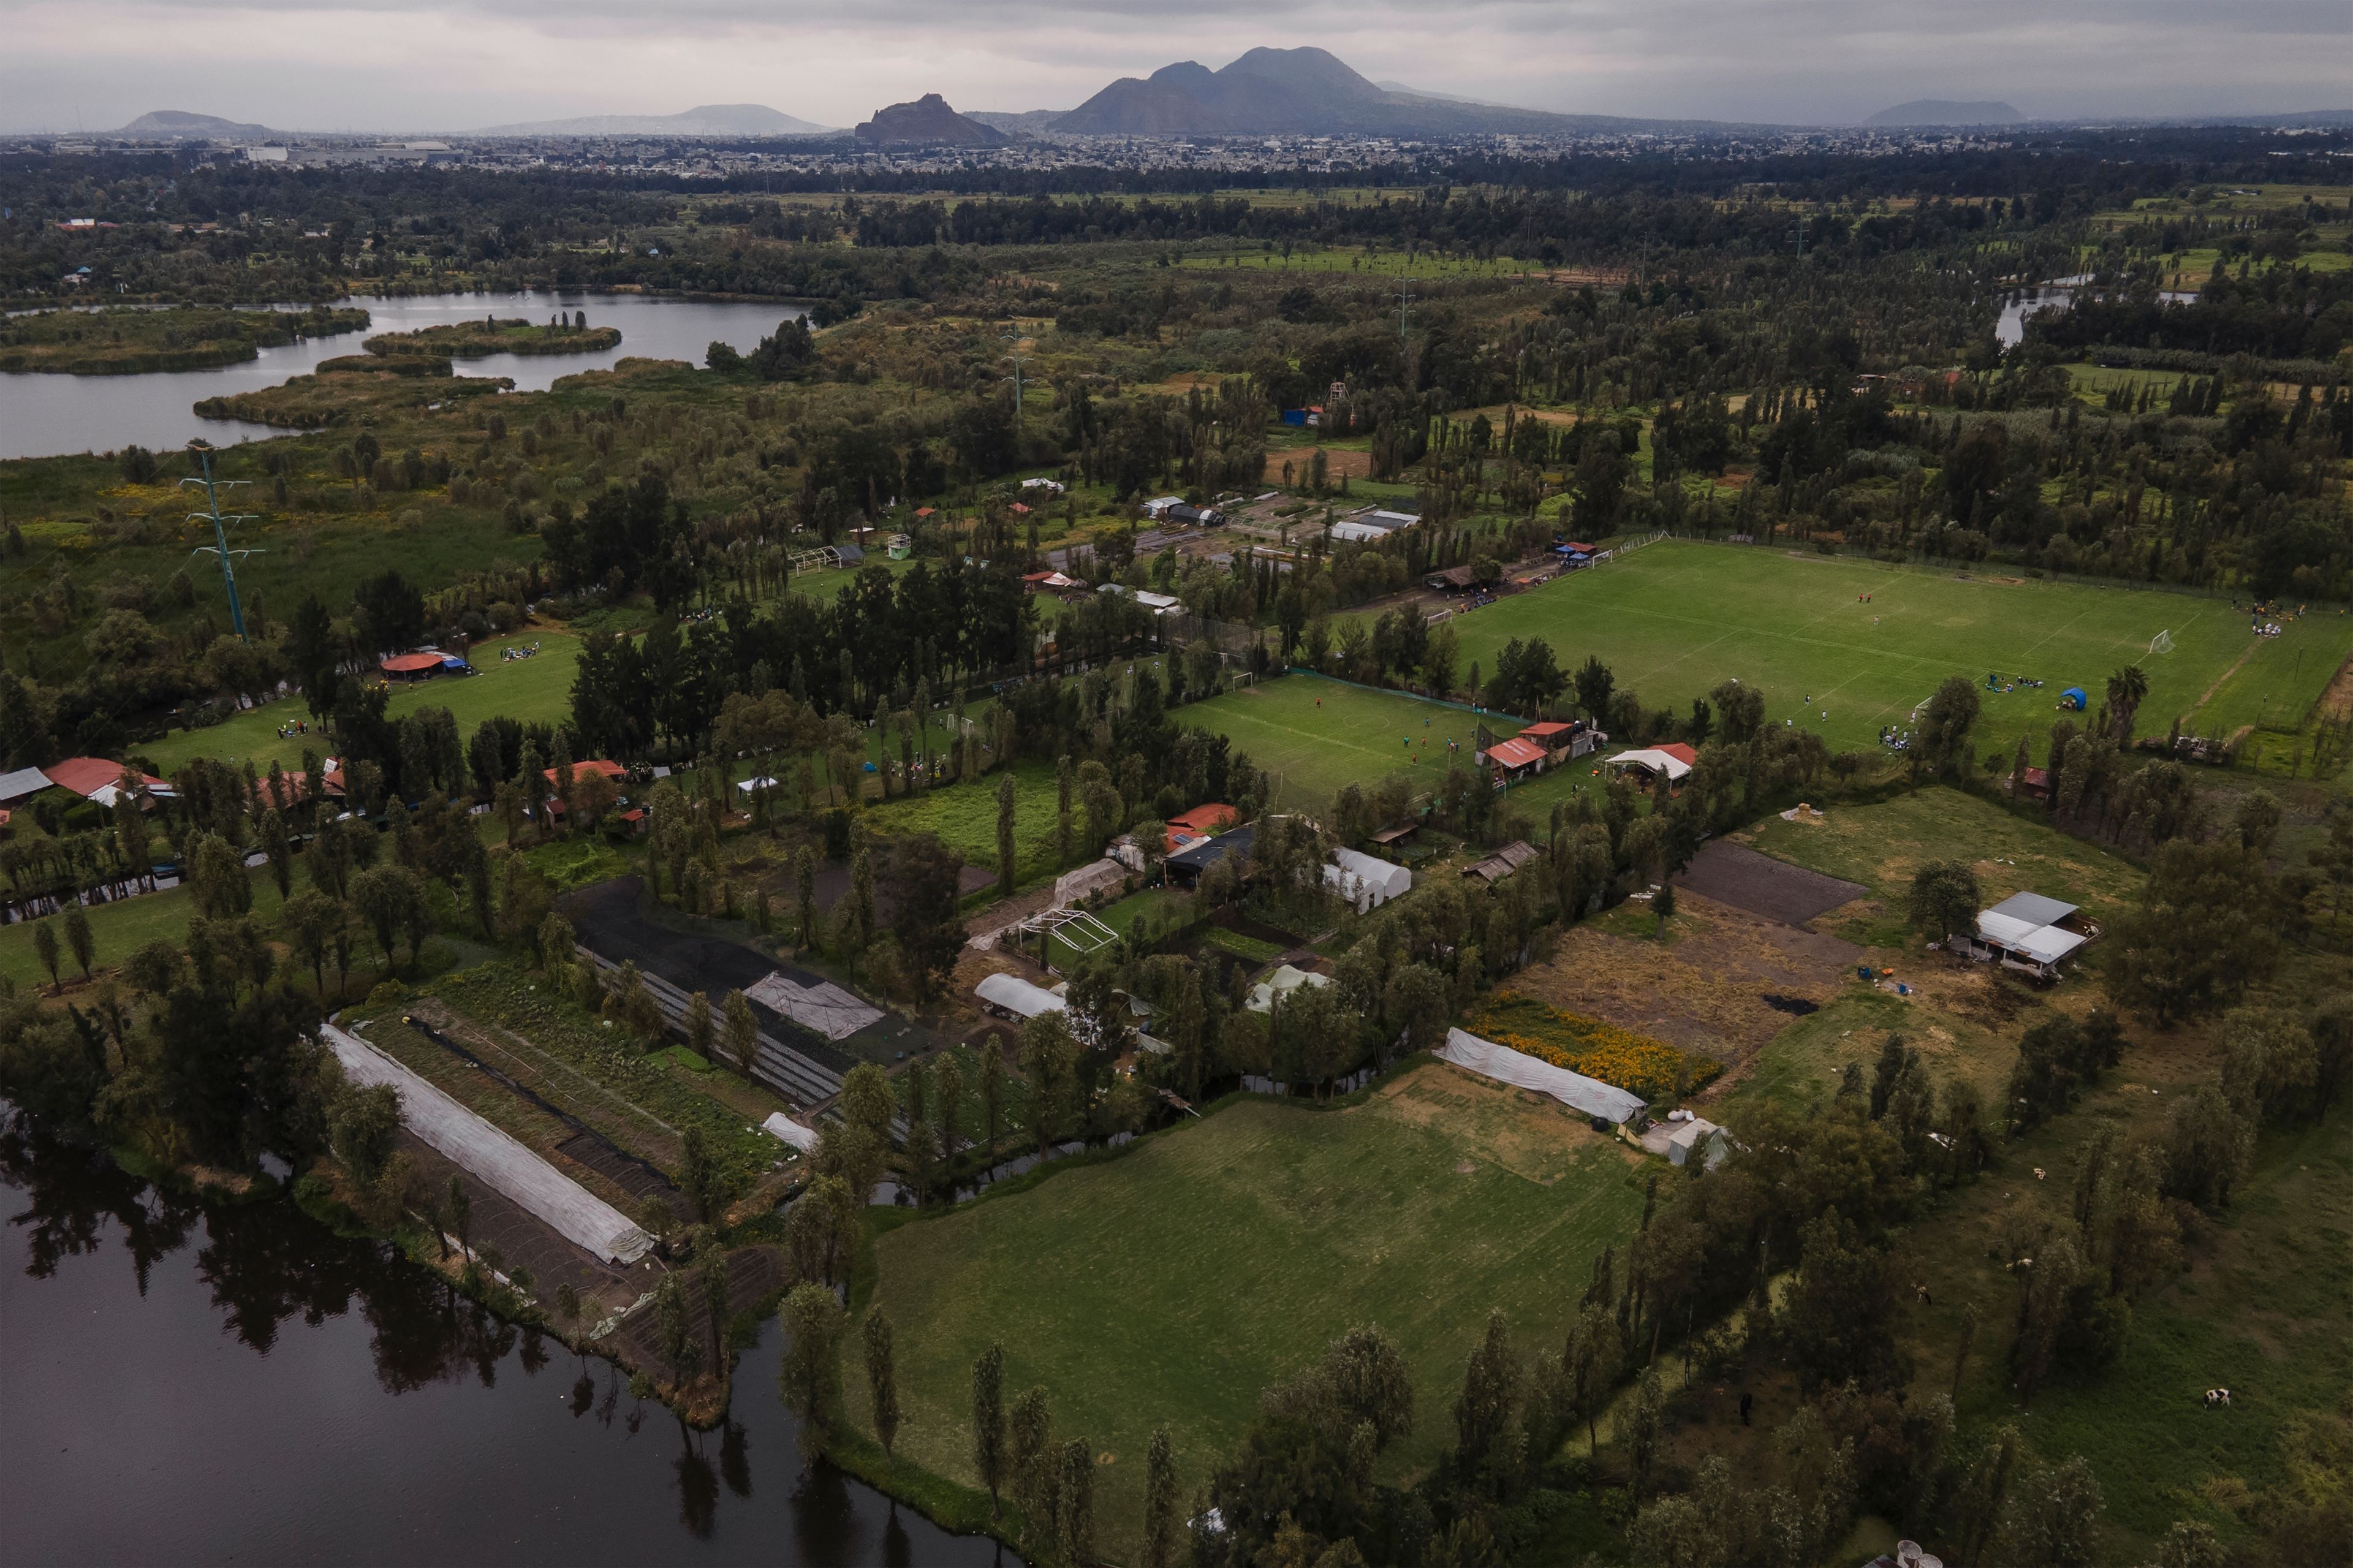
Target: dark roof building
{"type": "Point", "coordinates": [1187, 864]}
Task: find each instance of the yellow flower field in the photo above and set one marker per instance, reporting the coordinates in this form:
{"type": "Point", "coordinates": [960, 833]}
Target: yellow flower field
{"type": "Point", "coordinates": [1651, 1068]}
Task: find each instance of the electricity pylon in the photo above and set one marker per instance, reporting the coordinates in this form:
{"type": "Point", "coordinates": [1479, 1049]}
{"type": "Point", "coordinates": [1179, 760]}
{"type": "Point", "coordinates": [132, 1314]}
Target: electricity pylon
{"type": "Point", "coordinates": [212, 514]}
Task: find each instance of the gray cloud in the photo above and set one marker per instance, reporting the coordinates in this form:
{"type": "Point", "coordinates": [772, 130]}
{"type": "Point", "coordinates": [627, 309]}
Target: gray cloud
{"type": "Point", "coordinates": [396, 64]}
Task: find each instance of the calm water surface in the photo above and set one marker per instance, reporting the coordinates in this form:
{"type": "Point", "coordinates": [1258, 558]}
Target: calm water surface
{"type": "Point", "coordinates": [191, 1384]}
{"type": "Point", "coordinates": [43, 415]}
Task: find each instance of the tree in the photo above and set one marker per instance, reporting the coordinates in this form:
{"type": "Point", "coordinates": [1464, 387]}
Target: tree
{"type": "Point", "coordinates": [2054, 1518]}
{"type": "Point", "coordinates": [2197, 937]}
{"type": "Point", "coordinates": [988, 1424]}
{"type": "Point", "coordinates": [1595, 682]}
{"type": "Point", "coordinates": [923, 876]}
{"type": "Point", "coordinates": [804, 894]}
{"type": "Point", "coordinates": [882, 1381]}
{"type": "Point", "coordinates": [278, 844]}
{"type": "Point", "coordinates": [388, 899]}
{"type": "Point", "coordinates": [1663, 905]}
{"type": "Point", "coordinates": [362, 1128]}
{"type": "Point", "coordinates": [2126, 689]}
{"type": "Point", "coordinates": [1945, 899]}
{"type": "Point", "coordinates": [810, 1378]}
{"type": "Point", "coordinates": [699, 1175]}
{"type": "Point", "coordinates": [1035, 1463]}
{"type": "Point", "coordinates": [1644, 1418]}
{"type": "Point", "coordinates": [45, 945]}
{"type": "Point", "coordinates": [1005, 834]}
{"type": "Point", "coordinates": [1489, 1403]}
{"type": "Point", "coordinates": [1941, 743]}
{"type": "Point", "coordinates": [1075, 1522]}
{"type": "Point", "coordinates": [1160, 1501]}
{"type": "Point", "coordinates": [459, 1208]}
{"type": "Point", "coordinates": [740, 1033]}
{"type": "Point", "coordinates": [698, 1024]}
{"type": "Point", "coordinates": [310, 923]}
{"type": "Point", "coordinates": [78, 936]}
{"type": "Point", "coordinates": [1369, 1378]}
{"type": "Point", "coordinates": [216, 878]}
{"type": "Point", "coordinates": [674, 1321]}
{"type": "Point", "coordinates": [1589, 1365]}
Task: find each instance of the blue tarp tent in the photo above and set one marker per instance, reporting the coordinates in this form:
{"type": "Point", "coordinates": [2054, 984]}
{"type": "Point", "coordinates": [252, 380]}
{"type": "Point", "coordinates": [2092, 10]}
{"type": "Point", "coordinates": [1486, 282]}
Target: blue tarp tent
{"type": "Point", "coordinates": [2072, 698]}
{"type": "Point", "coordinates": [457, 666]}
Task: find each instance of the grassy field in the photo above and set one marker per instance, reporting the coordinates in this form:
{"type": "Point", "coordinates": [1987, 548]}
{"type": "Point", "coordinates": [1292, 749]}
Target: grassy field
{"type": "Point", "coordinates": [1317, 735]}
{"type": "Point", "coordinates": [1170, 1286]}
{"type": "Point", "coordinates": [1677, 618]}
{"type": "Point", "coordinates": [965, 818]}
{"type": "Point", "coordinates": [536, 690]}
{"type": "Point", "coordinates": [118, 929]}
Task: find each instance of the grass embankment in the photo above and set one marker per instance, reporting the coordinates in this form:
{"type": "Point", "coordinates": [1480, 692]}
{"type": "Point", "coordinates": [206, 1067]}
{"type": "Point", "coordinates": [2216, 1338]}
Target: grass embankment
{"type": "Point", "coordinates": [537, 690]}
{"type": "Point", "coordinates": [1675, 618]}
{"type": "Point", "coordinates": [125, 342]}
{"type": "Point", "coordinates": [1171, 1284]}
{"type": "Point", "coordinates": [497, 335]}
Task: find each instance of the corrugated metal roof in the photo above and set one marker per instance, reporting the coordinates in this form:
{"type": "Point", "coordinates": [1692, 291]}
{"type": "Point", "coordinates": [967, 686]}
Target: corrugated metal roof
{"type": "Point", "coordinates": [2034, 908]}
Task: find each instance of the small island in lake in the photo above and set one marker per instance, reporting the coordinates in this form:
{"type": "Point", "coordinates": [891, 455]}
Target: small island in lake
{"type": "Point", "coordinates": [130, 341]}
{"type": "Point", "coordinates": [496, 335]}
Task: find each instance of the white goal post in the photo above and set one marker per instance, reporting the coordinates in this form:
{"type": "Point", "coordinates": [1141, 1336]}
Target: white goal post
{"type": "Point", "coordinates": [2161, 643]}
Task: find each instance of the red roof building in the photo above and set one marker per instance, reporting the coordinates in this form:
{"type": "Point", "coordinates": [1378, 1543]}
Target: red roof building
{"type": "Point", "coordinates": [1203, 821]}
{"type": "Point", "coordinates": [411, 664]}
{"type": "Point", "coordinates": [90, 777]}
{"type": "Point", "coordinates": [1680, 753]}
{"type": "Point", "coordinates": [1516, 755]}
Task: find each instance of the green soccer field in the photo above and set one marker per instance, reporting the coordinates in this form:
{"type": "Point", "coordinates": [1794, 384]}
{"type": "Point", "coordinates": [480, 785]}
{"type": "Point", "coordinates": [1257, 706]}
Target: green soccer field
{"type": "Point", "coordinates": [536, 690]}
{"type": "Point", "coordinates": [1316, 735]}
{"type": "Point", "coordinates": [1170, 1286]}
{"type": "Point", "coordinates": [1674, 618]}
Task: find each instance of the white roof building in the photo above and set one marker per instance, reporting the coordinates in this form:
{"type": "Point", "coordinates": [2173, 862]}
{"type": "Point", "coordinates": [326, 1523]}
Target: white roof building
{"type": "Point", "coordinates": [1652, 761]}
{"type": "Point", "coordinates": [1365, 882]}
{"type": "Point", "coordinates": [2025, 932]}
{"type": "Point", "coordinates": [1016, 997]}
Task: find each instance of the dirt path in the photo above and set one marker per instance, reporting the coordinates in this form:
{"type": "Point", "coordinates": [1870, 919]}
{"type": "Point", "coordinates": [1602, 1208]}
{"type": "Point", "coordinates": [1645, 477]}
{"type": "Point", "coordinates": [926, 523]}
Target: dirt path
{"type": "Point", "coordinates": [2336, 702]}
{"type": "Point", "coordinates": [2208, 695]}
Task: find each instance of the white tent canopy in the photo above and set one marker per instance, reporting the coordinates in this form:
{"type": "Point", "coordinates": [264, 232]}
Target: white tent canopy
{"type": "Point", "coordinates": [781, 1126]}
{"type": "Point", "coordinates": [1017, 995]}
{"type": "Point", "coordinates": [1586, 1096]}
{"type": "Point", "coordinates": [1653, 761]}
{"type": "Point", "coordinates": [1367, 882]}
{"type": "Point", "coordinates": [1281, 982]}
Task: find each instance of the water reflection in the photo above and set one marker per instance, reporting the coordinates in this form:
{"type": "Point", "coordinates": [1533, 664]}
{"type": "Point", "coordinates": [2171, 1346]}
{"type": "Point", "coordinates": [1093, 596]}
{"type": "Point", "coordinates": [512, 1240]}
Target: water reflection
{"type": "Point", "coordinates": [239, 1382]}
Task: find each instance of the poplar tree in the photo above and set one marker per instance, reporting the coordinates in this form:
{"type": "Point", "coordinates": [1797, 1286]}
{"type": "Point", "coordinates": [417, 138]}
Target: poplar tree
{"type": "Point", "coordinates": [882, 1381]}
{"type": "Point", "coordinates": [1005, 834]}
{"type": "Point", "coordinates": [988, 1424]}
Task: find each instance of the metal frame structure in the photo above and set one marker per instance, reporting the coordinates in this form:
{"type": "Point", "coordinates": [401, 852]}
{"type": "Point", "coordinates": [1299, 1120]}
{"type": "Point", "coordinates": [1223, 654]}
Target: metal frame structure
{"type": "Point", "coordinates": [203, 451]}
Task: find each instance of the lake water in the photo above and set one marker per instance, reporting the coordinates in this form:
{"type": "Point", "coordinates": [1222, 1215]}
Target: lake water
{"type": "Point", "coordinates": [190, 1384]}
{"type": "Point", "coordinates": [43, 415]}
{"type": "Point", "coordinates": [2059, 294]}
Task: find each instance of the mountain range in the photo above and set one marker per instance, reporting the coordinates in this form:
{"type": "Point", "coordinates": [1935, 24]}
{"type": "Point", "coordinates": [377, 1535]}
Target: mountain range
{"type": "Point", "coordinates": [707, 119]}
{"type": "Point", "coordinates": [1944, 111]}
{"type": "Point", "coordinates": [928, 121]}
{"type": "Point", "coordinates": [1304, 92]}
{"type": "Point", "coordinates": [179, 125]}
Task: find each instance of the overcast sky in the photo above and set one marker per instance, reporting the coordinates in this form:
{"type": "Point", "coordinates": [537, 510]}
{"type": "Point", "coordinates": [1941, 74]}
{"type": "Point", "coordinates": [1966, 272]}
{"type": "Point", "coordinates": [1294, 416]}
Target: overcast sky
{"type": "Point", "coordinates": [417, 65]}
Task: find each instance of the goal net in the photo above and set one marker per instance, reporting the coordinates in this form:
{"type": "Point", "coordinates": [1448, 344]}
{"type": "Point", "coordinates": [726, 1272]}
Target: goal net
{"type": "Point", "coordinates": [2161, 643]}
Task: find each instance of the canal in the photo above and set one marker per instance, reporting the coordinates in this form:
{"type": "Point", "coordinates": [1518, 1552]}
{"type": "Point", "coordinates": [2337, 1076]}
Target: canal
{"type": "Point", "coordinates": [200, 1383]}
